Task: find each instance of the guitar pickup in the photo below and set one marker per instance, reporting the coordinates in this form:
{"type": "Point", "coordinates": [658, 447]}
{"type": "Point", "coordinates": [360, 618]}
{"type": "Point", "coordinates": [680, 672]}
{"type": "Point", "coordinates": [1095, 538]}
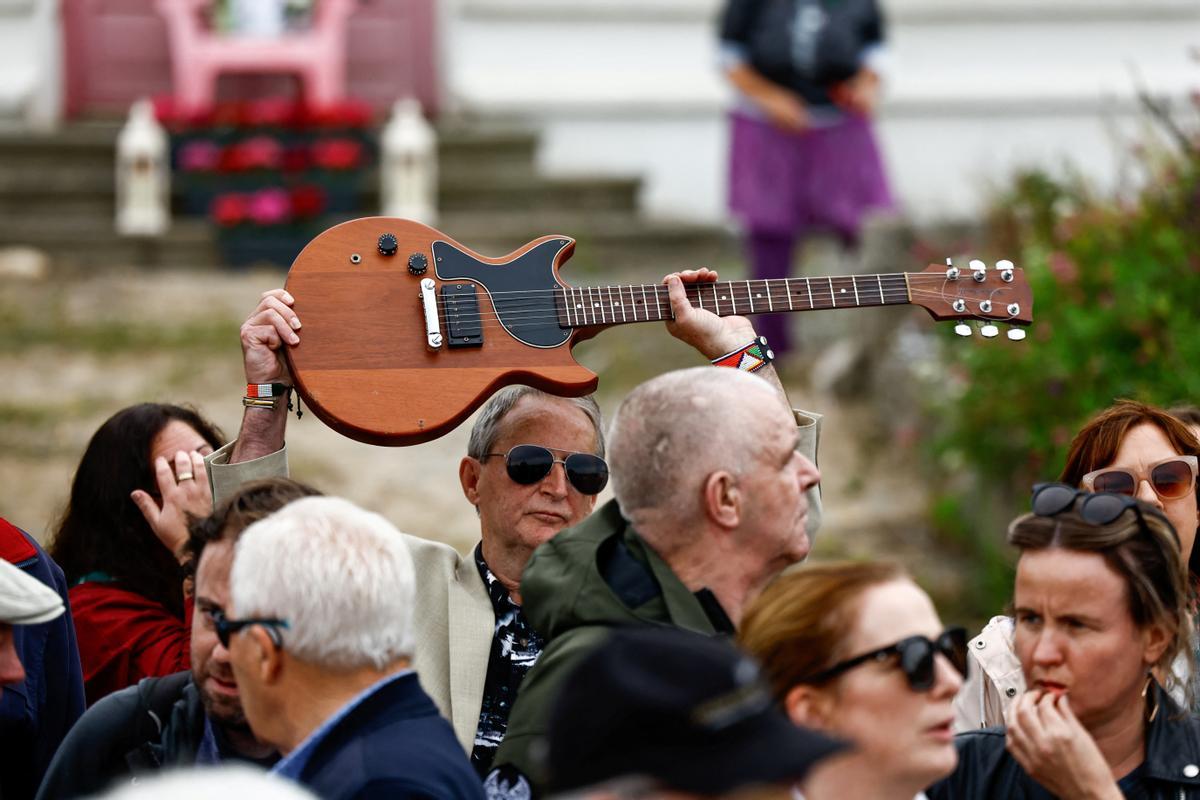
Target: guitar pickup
{"type": "Point", "coordinates": [463, 325]}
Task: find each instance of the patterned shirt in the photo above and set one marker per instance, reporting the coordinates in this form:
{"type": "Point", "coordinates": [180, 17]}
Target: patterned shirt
{"type": "Point", "coordinates": [515, 648]}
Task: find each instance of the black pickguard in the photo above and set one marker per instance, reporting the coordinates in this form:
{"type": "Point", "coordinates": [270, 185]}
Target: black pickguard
{"type": "Point", "coordinates": [522, 291]}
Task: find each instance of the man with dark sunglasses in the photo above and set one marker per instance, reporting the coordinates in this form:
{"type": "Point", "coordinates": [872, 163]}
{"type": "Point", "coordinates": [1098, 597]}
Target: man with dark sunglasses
{"type": "Point", "coordinates": [534, 466]}
{"type": "Point", "coordinates": [192, 717]}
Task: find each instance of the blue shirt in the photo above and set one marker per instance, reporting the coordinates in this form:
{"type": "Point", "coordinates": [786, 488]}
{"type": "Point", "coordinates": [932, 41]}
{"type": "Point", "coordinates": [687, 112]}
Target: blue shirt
{"type": "Point", "coordinates": [293, 764]}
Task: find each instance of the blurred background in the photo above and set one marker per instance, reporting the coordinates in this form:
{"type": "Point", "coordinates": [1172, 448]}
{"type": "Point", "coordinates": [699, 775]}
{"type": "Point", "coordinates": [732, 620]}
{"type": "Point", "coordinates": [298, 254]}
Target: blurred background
{"type": "Point", "coordinates": [162, 162]}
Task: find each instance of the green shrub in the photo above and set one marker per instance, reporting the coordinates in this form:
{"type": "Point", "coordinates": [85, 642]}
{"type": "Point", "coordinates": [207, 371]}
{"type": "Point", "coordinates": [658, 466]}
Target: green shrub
{"type": "Point", "coordinates": [1116, 286]}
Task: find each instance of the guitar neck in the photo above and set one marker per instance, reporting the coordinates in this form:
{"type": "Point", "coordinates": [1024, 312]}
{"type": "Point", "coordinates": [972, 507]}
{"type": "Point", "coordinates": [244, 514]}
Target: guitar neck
{"type": "Point", "coordinates": [589, 306]}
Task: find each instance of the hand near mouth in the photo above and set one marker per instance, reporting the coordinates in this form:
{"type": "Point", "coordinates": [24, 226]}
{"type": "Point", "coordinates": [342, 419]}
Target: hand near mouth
{"type": "Point", "coordinates": [1052, 746]}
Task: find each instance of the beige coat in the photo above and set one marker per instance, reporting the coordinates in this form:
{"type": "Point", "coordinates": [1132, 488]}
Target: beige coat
{"type": "Point", "coordinates": [994, 678]}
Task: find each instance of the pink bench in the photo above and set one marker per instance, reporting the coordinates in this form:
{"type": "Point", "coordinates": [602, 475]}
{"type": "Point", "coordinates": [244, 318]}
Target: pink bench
{"type": "Point", "coordinates": [199, 56]}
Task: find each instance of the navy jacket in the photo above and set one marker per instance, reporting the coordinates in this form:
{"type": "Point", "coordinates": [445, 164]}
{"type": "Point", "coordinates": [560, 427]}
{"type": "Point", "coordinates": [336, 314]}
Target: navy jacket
{"type": "Point", "coordinates": [36, 713]}
{"type": "Point", "coordinates": [393, 745]}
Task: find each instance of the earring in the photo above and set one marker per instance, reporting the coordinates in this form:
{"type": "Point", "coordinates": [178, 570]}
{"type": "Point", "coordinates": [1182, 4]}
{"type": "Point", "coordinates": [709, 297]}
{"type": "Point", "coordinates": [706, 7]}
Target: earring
{"type": "Point", "coordinates": [1146, 688]}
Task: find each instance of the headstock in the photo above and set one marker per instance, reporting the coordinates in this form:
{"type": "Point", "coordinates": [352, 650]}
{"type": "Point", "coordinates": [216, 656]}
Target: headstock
{"type": "Point", "coordinates": [999, 295]}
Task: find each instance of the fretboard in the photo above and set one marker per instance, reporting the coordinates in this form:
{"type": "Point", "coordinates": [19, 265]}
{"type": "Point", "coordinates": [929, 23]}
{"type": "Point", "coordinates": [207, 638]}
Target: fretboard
{"type": "Point", "coordinates": [583, 306]}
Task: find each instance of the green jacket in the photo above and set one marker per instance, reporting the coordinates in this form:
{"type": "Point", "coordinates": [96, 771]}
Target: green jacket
{"type": "Point", "coordinates": [575, 589]}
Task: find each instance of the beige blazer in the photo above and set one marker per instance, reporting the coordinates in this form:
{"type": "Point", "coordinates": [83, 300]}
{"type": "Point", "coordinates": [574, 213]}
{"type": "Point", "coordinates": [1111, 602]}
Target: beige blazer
{"type": "Point", "coordinates": [454, 621]}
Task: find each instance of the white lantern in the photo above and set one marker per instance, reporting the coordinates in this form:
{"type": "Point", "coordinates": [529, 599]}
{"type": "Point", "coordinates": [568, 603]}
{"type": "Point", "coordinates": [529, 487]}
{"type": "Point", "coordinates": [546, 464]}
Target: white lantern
{"type": "Point", "coordinates": [143, 175]}
{"type": "Point", "coordinates": [408, 178]}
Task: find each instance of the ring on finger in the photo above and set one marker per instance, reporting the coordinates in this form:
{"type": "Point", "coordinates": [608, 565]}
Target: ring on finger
{"type": "Point", "coordinates": [185, 476]}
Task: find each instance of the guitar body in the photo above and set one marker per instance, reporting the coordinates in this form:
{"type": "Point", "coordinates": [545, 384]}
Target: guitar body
{"type": "Point", "coordinates": [364, 364]}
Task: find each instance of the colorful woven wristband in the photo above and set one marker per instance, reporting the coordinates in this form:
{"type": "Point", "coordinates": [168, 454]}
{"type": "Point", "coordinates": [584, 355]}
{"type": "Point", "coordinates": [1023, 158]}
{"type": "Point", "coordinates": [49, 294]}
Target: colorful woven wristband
{"type": "Point", "coordinates": [750, 358]}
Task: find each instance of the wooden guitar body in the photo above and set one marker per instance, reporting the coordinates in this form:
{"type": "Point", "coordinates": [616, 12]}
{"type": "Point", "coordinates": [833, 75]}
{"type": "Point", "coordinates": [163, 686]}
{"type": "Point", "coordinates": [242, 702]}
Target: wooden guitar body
{"type": "Point", "coordinates": [364, 364]}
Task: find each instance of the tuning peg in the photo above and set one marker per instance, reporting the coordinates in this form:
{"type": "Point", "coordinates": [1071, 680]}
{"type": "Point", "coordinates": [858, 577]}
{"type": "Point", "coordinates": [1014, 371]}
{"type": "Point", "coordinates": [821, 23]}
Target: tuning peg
{"type": "Point", "coordinates": [1006, 270]}
{"type": "Point", "coordinates": [951, 271]}
{"type": "Point", "coordinates": [989, 331]}
{"type": "Point", "coordinates": [978, 270]}
{"type": "Point", "coordinates": [962, 329]}
{"type": "Point", "coordinates": [1016, 334]}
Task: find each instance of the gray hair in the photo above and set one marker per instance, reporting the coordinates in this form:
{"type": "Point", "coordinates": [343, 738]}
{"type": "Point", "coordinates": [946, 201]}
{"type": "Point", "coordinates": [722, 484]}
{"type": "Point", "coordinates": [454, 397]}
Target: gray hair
{"type": "Point", "coordinates": [674, 430]}
{"type": "Point", "coordinates": [341, 576]}
{"type": "Point", "coordinates": [486, 429]}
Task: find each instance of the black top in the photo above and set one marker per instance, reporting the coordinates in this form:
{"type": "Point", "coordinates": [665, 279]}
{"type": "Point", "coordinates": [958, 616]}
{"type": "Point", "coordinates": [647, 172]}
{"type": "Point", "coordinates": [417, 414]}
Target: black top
{"type": "Point", "coordinates": [804, 45]}
{"type": "Point", "coordinates": [515, 648]}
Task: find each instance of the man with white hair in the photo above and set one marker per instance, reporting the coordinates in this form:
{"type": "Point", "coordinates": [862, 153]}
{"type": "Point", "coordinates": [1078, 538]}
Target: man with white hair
{"type": "Point", "coordinates": [321, 641]}
{"type": "Point", "coordinates": [710, 506]}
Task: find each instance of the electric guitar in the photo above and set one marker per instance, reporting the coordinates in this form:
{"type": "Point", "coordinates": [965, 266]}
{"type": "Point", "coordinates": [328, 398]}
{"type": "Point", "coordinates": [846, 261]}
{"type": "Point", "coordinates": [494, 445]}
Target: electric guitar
{"type": "Point", "coordinates": [407, 332]}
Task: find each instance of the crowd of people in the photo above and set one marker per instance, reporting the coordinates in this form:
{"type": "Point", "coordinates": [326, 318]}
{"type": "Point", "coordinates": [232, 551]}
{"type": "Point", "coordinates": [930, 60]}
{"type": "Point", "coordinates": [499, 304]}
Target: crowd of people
{"type": "Point", "coordinates": [202, 614]}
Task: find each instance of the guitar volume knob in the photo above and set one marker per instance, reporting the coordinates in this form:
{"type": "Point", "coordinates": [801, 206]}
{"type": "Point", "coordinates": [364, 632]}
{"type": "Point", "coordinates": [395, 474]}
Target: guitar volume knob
{"type": "Point", "coordinates": [418, 263]}
{"type": "Point", "coordinates": [388, 244]}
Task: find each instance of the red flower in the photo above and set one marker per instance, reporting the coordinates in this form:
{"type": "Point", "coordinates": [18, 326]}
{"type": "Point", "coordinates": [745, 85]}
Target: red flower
{"type": "Point", "coordinates": [337, 153]}
{"type": "Point", "coordinates": [229, 209]}
{"type": "Point", "coordinates": [346, 114]}
{"type": "Point", "coordinates": [276, 112]}
{"type": "Point", "coordinates": [258, 152]}
{"type": "Point", "coordinates": [295, 158]}
{"type": "Point", "coordinates": [307, 201]}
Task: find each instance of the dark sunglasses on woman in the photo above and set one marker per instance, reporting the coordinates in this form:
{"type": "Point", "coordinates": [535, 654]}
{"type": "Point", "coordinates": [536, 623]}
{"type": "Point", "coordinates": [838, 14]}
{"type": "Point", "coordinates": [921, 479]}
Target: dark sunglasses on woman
{"type": "Point", "coordinates": [916, 658]}
{"type": "Point", "coordinates": [1170, 478]}
{"type": "Point", "coordinates": [529, 463]}
{"type": "Point", "coordinates": [1101, 508]}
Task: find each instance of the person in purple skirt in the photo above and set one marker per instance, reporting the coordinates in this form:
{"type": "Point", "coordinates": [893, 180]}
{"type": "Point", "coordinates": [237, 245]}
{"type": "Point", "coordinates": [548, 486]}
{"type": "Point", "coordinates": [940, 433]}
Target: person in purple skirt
{"type": "Point", "coordinates": [803, 152]}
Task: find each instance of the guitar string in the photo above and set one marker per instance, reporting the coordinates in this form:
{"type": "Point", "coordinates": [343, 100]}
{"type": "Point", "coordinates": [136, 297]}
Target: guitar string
{"type": "Point", "coordinates": [607, 314]}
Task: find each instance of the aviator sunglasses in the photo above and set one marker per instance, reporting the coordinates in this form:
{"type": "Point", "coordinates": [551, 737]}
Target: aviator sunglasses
{"type": "Point", "coordinates": [916, 658]}
{"type": "Point", "coordinates": [1170, 478]}
{"type": "Point", "coordinates": [529, 463]}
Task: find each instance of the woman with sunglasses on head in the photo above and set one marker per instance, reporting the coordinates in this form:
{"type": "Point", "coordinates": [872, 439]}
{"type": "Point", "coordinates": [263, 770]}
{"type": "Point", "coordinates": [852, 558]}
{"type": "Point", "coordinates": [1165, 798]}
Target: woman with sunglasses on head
{"type": "Point", "coordinates": [1101, 606]}
{"type": "Point", "coordinates": [856, 650]}
{"type": "Point", "coordinates": [1133, 449]}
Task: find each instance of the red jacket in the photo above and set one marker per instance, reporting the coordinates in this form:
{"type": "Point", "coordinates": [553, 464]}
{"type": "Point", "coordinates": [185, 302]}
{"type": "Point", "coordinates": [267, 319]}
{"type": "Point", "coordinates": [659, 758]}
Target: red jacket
{"type": "Point", "coordinates": [124, 637]}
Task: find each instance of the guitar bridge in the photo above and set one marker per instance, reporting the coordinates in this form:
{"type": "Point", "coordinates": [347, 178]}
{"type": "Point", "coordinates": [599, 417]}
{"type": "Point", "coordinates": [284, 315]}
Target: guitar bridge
{"type": "Point", "coordinates": [464, 328]}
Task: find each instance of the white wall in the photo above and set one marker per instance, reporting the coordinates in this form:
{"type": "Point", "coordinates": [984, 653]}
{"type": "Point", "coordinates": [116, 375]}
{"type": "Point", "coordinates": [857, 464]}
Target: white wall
{"type": "Point", "coordinates": [977, 87]}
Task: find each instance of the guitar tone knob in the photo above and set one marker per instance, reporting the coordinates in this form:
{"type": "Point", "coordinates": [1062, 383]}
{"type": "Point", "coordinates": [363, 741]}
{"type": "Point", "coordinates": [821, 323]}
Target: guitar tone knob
{"type": "Point", "coordinates": [418, 263]}
{"type": "Point", "coordinates": [388, 244]}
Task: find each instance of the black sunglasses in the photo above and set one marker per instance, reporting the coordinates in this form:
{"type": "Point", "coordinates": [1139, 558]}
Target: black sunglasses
{"type": "Point", "coordinates": [1100, 508]}
{"type": "Point", "coordinates": [529, 463]}
{"type": "Point", "coordinates": [916, 658]}
{"type": "Point", "coordinates": [227, 627]}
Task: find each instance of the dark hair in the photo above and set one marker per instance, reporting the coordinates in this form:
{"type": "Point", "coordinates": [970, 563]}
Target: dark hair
{"type": "Point", "coordinates": [102, 529]}
{"type": "Point", "coordinates": [253, 501]}
{"type": "Point", "coordinates": [1097, 443]}
{"type": "Point", "coordinates": [1147, 557]}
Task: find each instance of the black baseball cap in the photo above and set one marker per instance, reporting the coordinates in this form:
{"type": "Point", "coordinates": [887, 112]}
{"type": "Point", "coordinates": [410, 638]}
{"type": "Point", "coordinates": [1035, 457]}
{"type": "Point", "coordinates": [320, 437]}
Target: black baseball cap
{"type": "Point", "coordinates": [688, 711]}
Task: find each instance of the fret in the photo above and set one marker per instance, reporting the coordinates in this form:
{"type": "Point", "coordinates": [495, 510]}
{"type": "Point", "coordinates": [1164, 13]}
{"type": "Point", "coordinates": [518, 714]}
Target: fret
{"type": "Point", "coordinates": [580, 308]}
{"type": "Point", "coordinates": [699, 297]}
{"type": "Point", "coordinates": [770, 302]}
{"type": "Point", "coordinates": [666, 298]}
{"type": "Point", "coordinates": [632, 303]}
{"type": "Point", "coordinates": [598, 305]}
{"type": "Point", "coordinates": [566, 306]}
{"type": "Point", "coordinates": [808, 285]}
{"type": "Point", "coordinates": [854, 283]}
{"type": "Point", "coordinates": [716, 303]}
{"type": "Point", "coordinates": [645, 302]}
{"type": "Point", "coordinates": [832, 294]}
{"type": "Point", "coordinates": [621, 303]}
{"type": "Point", "coordinates": [879, 281]}
{"type": "Point", "coordinates": [750, 297]}
{"type": "Point", "coordinates": [658, 303]}
{"type": "Point", "coordinates": [787, 284]}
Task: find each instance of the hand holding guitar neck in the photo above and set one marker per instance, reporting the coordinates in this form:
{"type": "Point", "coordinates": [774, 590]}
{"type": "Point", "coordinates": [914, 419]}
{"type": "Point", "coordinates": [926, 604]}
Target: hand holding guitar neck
{"type": "Point", "coordinates": [269, 328]}
{"type": "Point", "coordinates": [711, 335]}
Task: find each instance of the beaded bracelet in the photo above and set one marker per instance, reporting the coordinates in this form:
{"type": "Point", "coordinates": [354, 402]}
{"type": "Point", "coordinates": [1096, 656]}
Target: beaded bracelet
{"type": "Point", "coordinates": [750, 358]}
